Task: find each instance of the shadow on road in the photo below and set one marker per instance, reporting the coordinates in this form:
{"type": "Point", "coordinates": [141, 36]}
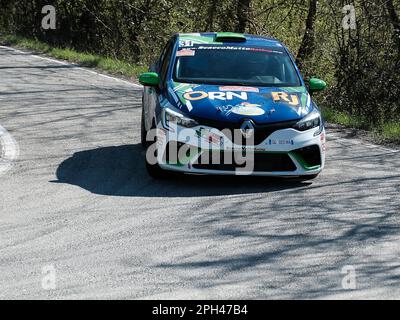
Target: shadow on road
{"type": "Point", "coordinates": [120, 171]}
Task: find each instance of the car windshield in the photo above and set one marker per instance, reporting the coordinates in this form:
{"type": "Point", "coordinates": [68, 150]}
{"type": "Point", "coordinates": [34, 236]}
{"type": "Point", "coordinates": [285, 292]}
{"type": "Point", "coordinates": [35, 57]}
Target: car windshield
{"type": "Point", "coordinates": [217, 64]}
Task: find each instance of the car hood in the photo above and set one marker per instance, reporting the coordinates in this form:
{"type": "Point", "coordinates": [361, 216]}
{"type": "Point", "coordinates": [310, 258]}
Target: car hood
{"type": "Point", "coordinates": [233, 104]}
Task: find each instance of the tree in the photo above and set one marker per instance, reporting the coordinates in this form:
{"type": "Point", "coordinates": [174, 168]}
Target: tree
{"type": "Point", "coordinates": [395, 21]}
{"type": "Point", "coordinates": [307, 45]}
{"type": "Point", "coordinates": [242, 12]}
{"type": "Point", "coordinates": [211, 13]}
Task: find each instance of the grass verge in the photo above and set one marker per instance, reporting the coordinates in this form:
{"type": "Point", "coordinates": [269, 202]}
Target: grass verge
{"type": "Point", "coordinates": [110, 65]}
{"type": "Point", "coordinates": [344, 119]}
{"type": "Point", "coordinates": [390, 132]}
{"type": "Point", "coordinates": [386, 133]}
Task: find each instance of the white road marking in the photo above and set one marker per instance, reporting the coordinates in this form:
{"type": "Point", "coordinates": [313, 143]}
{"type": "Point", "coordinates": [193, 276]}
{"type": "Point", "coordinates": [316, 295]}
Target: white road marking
{"type": "Point", "coordinates": [9, 150]}
{"type": "Point", "coordinates": [74, 65]}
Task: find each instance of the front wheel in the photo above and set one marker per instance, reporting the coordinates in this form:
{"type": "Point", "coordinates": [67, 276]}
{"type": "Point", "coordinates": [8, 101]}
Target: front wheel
{"type": "Point", "coordinates": [154, 170]}
{"type": "Point", "coordinates": [143, 131]}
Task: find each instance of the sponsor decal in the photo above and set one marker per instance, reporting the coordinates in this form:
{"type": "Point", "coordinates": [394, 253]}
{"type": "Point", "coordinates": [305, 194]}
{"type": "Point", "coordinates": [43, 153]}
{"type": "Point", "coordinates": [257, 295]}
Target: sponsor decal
{"type": "Point", "coordinates": [238, 48]}
{"type": "Point", "coordinates": [248, 109]}
{"type": "Point", "coordinates": [244, 148]}
{"type": "Point", "coordinates": [209, 136]}
{"type": "Point", "coordinates": [239, 88]}
{"type": "Point", "coordinates": [183, 86]}
{"type": "Point", "coordinates": [195, 95]}
{"type": "Point", "coordinates": [180, 89]}
{"type": "Point", "coordinates": [161, 136]}
{"type": "Point", "coordinates": [189, 106]}
{"type": "Point", "coordinates": [192, 34]}
{"type": "Point", "coordinates": [291, 99]}
{"type": "Point", "coordinates": [223, 96]}
{"type": "Point", "coordinates": [323, 144]}
{"type": "Point", "coordinates": [244, 108]}
{"type": "Point", "coordinates": [173, 95]}
{"type": "Point", "coordinates": [198, 39]}
{"type": "Point", "coordinates": [185, 53]}
{"type": "Point", "coordinates": [235, 148]}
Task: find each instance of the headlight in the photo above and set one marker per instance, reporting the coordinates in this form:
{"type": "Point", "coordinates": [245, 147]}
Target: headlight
{"type": "Point", "coordinates": [172, 118]}
{"type": "Point", "coordinates": [313, 120]}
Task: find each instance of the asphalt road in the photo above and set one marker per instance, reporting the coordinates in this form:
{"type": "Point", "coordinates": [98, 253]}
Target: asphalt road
{"type": "Point", "coordinates": [78, 201]}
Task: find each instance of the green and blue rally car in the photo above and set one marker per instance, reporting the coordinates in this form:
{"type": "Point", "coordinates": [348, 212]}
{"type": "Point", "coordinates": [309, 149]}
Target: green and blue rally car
{"type": "Point", "coordinates": [214, 94]}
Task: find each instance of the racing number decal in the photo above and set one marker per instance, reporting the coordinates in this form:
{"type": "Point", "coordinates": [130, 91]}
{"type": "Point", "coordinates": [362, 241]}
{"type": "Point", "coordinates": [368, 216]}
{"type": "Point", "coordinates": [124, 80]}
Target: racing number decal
{"type": "Point", "coordinates": [292, 99]}
{"type": "Point", "coordinates": [186, 43]}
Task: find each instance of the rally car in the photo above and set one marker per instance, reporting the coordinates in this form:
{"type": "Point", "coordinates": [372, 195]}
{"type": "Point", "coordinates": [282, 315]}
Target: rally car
{"type": "Point", "coordinates": [228, 103]}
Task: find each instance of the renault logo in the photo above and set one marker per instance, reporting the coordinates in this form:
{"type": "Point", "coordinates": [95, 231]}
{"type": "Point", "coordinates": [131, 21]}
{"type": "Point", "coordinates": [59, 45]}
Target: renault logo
{"type": "Point", "coordinates": [247, 129]}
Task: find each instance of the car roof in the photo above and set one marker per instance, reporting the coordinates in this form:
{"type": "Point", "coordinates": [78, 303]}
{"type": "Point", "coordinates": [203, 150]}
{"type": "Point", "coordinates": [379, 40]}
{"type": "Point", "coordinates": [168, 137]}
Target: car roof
{"type": "Point", "coordinates": [251, 40]}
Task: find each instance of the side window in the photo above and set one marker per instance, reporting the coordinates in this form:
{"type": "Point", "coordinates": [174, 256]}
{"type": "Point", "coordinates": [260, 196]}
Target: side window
{"type": "Point", "coordinates": [165, 62]}
{"type": "Point", "coordinates": [162, 56]}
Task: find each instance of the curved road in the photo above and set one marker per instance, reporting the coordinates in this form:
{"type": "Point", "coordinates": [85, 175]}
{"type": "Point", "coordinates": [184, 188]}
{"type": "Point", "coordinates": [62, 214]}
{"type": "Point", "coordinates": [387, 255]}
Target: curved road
{"type": "Point", "coordinates": [78, 202]}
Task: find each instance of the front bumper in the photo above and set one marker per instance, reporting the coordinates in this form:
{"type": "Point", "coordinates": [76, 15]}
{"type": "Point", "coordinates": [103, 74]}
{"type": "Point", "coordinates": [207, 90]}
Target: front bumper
{"type": "Point", "coordinates": [287, 152]}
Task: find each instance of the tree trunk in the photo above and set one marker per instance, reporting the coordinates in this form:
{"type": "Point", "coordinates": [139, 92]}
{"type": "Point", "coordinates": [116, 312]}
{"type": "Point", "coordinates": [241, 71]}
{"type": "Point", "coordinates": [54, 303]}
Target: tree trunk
{"type": "Point", "coordinates": [307, 45]}
{"type": "Point", "coordinates": [211, 13]}
{"type": "Point", "coordinates": [242, 12]}
{"type": "Point", "coordinates": [395, 21]}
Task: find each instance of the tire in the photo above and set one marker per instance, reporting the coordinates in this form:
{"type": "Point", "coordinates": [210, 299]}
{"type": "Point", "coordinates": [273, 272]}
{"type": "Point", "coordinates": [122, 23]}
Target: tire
{"type": "Point", "coordinates": [153, 170]}
{"type": "Point", "coordinates": [143, 132]}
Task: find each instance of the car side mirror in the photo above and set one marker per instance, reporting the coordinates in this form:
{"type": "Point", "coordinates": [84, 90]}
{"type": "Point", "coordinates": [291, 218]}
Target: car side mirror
{"type": "Point", "coordinates": [150, 79]}
{"type": "Point", "coordinates": [315, 85]}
